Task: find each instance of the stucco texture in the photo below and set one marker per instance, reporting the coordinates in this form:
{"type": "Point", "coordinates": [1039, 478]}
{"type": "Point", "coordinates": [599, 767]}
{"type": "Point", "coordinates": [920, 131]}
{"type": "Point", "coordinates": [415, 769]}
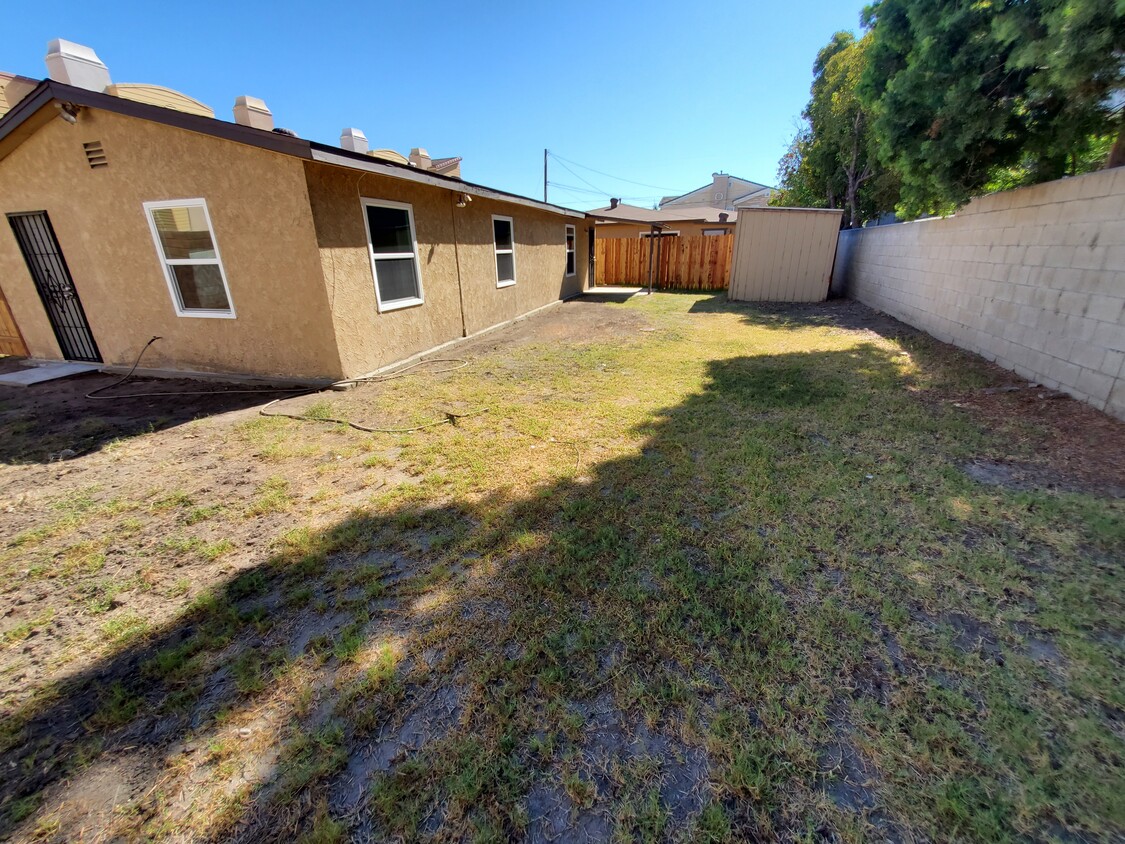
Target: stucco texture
{"type": "Point", "coordinates": [259, 208]}
{"type": "Point", "coordinates": [457, 261]}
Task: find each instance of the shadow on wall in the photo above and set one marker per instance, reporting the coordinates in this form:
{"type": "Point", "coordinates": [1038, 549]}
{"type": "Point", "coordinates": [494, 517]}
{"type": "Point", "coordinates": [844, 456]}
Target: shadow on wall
{"type": "Point", "coordinates": [429, 665]}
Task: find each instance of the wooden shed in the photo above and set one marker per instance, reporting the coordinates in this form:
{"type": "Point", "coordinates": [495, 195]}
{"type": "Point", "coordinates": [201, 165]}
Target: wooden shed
{"type": "Point", "coordinates": [783, 254]}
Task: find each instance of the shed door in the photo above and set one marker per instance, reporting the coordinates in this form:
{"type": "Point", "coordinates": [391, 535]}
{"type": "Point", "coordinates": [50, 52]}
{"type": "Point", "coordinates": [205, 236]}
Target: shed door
{"type": "Point", "coordinates": [52, 279]}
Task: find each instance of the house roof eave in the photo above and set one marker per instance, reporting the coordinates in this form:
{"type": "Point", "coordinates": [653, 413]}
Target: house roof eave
{"type": "Point", "coordinates": [48, 90]}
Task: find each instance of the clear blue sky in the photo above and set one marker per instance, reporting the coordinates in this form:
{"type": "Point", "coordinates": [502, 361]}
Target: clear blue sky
{"type": "Point", "coordinates": [659, 92]}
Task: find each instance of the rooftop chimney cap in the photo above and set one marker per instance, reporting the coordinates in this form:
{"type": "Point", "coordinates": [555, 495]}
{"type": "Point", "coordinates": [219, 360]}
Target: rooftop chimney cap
{"type": "Point", "coordinates": [613, 202]}
{"type": "Point", "coordinates": [77, 65]}
{"type": "Point", "coordinates": [251, 111]}
{"type": "Point", "coordinates": [723, 217]}
{"type": "Point", "coordinates": [353, 139]}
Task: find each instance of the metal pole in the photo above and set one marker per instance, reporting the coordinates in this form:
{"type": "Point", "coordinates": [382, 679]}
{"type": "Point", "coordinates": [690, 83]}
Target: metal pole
{"type": "Point", "coordinates": [651, 252]}
{"type": "Point", "coordinates": [544, 175]}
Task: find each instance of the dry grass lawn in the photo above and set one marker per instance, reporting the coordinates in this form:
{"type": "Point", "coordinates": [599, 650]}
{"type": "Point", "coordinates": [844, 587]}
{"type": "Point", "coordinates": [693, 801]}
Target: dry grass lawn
{"type": "Point", "coordinates": [700, 572]}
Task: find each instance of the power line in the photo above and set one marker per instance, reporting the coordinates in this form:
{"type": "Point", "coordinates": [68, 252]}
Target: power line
{"type": "Point", "coordinates": [560, 159]}
{"type": "Point", "coordinates": [584, 181]}
{"type": "Point", "coordinates": [576, 189]}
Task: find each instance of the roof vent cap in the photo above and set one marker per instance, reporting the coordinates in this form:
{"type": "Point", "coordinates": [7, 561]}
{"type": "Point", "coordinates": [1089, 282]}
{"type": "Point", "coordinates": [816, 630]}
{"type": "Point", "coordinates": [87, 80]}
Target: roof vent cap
{"type": "Point", "coordinates": [253, 112]}
{"type": "Point", "coordinates": [354, 140]}
{"type": "Point", "coordinates": [77, 65]}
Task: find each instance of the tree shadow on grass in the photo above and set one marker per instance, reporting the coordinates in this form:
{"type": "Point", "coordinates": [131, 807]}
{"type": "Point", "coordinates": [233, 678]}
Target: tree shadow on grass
{"type": "Point", "coordinates": [836, 313]}
{"type": "Point", "coordinates": [609, 654]}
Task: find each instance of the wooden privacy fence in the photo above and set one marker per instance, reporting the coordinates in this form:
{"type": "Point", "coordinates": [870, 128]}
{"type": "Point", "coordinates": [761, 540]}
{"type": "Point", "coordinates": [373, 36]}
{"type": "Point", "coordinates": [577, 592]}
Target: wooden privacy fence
{"type": "Point", "coordinates": [683, 263]}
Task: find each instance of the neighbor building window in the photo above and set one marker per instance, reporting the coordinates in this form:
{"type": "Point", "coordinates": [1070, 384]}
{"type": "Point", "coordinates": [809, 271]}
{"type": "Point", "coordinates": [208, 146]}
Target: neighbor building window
{"type": "Point", "coordinates": [571, 263]}
{"type": "Point", "coordinates": [189, 253]}
{"type": "Point", "coordinates": [504, 239]}
{"type": "Point", "coordinates": [713, 232]}
{"type": "Point", "coordinates": [394, 254]}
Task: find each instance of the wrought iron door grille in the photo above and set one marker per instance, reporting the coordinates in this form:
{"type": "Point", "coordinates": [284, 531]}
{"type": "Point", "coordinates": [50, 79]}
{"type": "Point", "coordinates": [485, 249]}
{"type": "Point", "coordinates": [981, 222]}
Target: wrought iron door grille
{"type": "Point", "coordinates": [48, 269]}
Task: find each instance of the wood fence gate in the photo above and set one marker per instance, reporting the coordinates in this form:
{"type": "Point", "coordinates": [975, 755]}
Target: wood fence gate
{"type": "Point", "coordinates": [11, 343]}
{"type": "Point", "coordinates": [678, 263]}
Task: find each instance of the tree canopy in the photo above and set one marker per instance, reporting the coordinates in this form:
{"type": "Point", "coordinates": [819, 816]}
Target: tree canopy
{"type": "Point", "coordinates": [940, 100]}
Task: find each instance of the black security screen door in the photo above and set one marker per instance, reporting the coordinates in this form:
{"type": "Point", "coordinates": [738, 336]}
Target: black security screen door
{"type": "Point", "coordinates": [56, 288]}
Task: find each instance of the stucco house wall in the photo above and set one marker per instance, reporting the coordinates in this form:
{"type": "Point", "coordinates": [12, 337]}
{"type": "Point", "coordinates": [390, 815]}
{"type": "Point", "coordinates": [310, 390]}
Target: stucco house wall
{"type": "Point", "coordinates": [284, 325]}
{"type": "Point", "coordinates": [457, 258]}
{"type": "Point", "coordinates": [293, 245]}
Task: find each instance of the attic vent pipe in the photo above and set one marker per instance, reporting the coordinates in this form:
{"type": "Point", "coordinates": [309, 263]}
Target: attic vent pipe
{"type": "Point", "coordinates": [253, 112]}
{"type": "Point", "coordinates": [613, 202]}
{"type": "Point", "coordinates": [354, 140]}
{"type": "Point", "coordinates": [723, 217]}
{"type": "Point", "coordinates": [77, 65]}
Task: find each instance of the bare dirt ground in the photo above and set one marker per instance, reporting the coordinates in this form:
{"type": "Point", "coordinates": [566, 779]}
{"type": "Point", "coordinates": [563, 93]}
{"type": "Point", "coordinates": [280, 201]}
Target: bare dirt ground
{"type": "Point", "coordinates": [690, 571]}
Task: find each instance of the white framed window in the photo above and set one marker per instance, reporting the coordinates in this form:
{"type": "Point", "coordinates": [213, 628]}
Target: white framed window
{"type": "Point", "coordinates": [713, 232]}
{"type": "Point", "coordinates": [660, 234]}
{"type": "Point", "coordinates": [393, 248]}
{"type": "Point", "coordinates": [571, 257]}
{"type": "Point", "coordinates": [186, 245]}
{"type": "Point", "coordinates": [504, 239]}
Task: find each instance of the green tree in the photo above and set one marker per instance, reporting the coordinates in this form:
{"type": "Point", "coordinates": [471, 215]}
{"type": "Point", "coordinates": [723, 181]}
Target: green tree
{"type": "Point", "coordinates": [964, 95]}
{"type": "Point", "coordinates": [831, 163]}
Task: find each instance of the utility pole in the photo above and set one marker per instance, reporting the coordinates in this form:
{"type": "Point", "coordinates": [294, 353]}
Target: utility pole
{"type": "Point", "coordinates": [544, 175]}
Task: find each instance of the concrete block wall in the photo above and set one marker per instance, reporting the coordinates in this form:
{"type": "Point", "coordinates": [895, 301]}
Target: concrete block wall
{"type": "Point", "coordinates": [1033, 279]}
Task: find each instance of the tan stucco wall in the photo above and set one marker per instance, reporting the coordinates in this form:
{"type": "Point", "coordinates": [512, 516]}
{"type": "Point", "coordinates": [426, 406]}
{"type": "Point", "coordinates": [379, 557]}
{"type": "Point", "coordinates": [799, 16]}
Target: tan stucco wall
{"type": "Point", "coordinates": [368, 339]}
{"type": "Point", "coordinates": [1033, 279]}
{"type": "Point", "coordinates": [612, 230]}
{"type": "Point", "coordinates": [260, 212]}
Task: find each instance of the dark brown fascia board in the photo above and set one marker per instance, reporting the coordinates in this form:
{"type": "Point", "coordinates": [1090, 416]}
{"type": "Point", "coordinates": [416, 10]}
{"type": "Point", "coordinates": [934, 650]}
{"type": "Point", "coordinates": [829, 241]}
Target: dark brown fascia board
{"type": "Point", "coordinates": [21, 111]}
{"type": "Point", "coordinates": [49, 90]}
{"type": "Point", "coordinates": [411, 173]}
{"type": "Point", "coordinates": [274, 141]}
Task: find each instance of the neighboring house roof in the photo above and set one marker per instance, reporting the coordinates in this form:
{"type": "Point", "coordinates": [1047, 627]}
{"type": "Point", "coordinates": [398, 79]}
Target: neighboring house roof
{"type": "Point", "coordinates": [5, 78]}
{"type": "Point", "coordinates": [30, 113]}
{"type": "Point", "coordinates": [732, 187]}
{"type": "Point", "coordinates": [635, 214]}
{"type": "Point", "coordinates": [753, 196]}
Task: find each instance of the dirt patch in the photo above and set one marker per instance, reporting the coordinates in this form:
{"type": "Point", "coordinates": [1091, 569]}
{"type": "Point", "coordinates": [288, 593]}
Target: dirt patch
{"type": "Point", "coordinates": [584, 799]}
{"type": "Point", "coordinates": [1028, 476]}
{"type": "Point", "coordinates": [577, 321]}
{"type": "Point", "coordinates": [1076, 448]}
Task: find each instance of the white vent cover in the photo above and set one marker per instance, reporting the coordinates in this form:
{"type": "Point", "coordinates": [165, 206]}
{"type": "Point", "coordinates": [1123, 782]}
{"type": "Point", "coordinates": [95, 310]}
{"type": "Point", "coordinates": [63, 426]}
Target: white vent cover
{"type": "Point", "coordinates": [77, 65]}
{"type": "Point", "coordinates": [353, 139]}
{"type": "Point", "coordinates": [251, 111]}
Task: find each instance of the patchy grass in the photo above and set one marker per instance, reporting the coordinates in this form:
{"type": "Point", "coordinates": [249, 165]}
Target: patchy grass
{"type": "Point", "coordinates": [723, 578]}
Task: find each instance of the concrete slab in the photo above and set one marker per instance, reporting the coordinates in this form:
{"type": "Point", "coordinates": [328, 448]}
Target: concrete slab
{"type": "Point", "coordinates": [47, 372]}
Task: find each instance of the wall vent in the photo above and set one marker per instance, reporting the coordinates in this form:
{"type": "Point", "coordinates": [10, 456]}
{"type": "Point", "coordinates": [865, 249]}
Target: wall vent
{"type": "Point", "coordinates": [95, 155]}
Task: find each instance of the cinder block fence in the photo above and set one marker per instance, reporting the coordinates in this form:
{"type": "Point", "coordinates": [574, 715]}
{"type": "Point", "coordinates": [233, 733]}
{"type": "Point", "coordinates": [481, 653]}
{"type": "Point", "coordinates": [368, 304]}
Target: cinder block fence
{"type": "Point", "coordinates": [1033, 279]}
